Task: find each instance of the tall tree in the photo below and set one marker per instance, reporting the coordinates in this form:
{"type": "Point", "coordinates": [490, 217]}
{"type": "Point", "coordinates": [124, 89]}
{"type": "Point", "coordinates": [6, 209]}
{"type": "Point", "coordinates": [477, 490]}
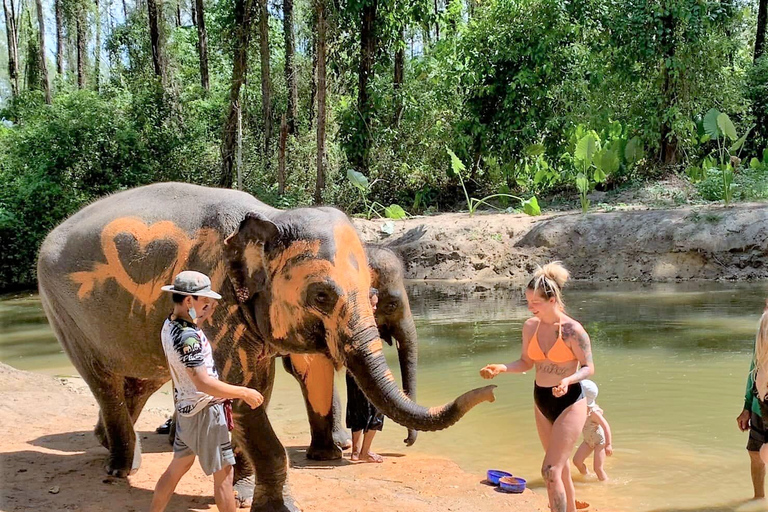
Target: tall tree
{"type": "Point", "coordinates": [313, 76]}
{"type": "Point", "coordinates": [762, 21]}
{"type": "Point", "coordinates": [193, 11]}
{"type": "Point", "coordinates": [399, 74]}
{"type": "Point", "coordinates": [12, 33]}
{"type": "Point", "coordinates": [81, 41]}
{"type": "Point", "coordinates": [41, 50]}
{"type": "Point", "coordinates": [125, 10]}
{"type": "Point", "coordinates": [321, 90]}
{"type": "Point", "coordinates": [266, 95]}
{"type": "Point", "coordinates": [202, 41]}
{"type": "Point", "coordinates": [243, 24]}
{"type": "Point", "coordinates": [368, 44]}
{"type": "Point", "coordinates": [290, 68]}
{"type": "Point", "coordinates": [156, 37]}
{"type": "Point", "coordinates": [178, 13]}
{"type": "Point", "coordinates": [97, 49]}
{"type": "Point", "coordinates": [59, 37]}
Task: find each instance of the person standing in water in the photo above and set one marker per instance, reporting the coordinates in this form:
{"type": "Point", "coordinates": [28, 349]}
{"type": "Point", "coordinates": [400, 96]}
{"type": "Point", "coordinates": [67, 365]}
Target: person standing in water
{"type": "Point", "coordinates": [596, 433]}
{"type": "Point", "coordinates": [559, 348]}
{"type": "Point", "coordinates": [759, 375]}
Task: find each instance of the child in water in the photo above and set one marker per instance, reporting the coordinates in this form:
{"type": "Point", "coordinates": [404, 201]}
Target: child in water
{"type": "Point", "coordinates": [596, 433]}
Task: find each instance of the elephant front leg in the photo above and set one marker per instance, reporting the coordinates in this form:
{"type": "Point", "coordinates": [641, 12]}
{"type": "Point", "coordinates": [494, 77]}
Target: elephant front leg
{"type": "Point", "coordinates": [255, 436]}
{"type": "Point", "coordinates": [315, 376]}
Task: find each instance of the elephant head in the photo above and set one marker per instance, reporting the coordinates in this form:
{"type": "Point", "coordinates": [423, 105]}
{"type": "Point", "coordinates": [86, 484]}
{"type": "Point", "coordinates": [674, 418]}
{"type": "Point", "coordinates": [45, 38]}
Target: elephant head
{"type": "Point", "coordinates": [393, 316]}
{"type": "Point", "coordinates": [304, 275]}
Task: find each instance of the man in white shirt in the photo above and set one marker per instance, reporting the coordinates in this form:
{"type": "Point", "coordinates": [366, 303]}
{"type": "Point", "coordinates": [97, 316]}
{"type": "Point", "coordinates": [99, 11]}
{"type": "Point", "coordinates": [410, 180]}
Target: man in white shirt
{"type": "Point", "coordinates": [198, 394]}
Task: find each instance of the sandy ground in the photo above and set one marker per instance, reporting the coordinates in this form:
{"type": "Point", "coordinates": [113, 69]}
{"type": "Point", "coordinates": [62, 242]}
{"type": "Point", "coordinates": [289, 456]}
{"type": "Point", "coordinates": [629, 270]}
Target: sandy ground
{"type": "Point", "coordinates": [50, 461]}
{"type": "Point", "coordinates": [695, 242]}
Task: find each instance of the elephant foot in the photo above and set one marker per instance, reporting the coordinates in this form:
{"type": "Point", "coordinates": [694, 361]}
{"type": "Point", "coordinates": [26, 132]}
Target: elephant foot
{"type": "Point", "coordinates": [244, 491]}
{"type": "Point", "coordinates": [287, 504]}
{"type": "Point", "coordinates": [332, 452]}
{"type": "Point", "coordinates": [342, 439]}
{"type": "Point", "coordinates": [118, 465]}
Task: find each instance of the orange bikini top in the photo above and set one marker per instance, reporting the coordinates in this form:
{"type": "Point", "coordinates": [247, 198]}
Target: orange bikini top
{"type": "Point", "coordinates": [559, 353]}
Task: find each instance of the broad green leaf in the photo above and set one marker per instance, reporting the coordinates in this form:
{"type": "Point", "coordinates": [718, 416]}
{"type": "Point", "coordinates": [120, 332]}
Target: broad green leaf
{"type": "Point", "coordinates": [531, 206]}
{"type": "Point", "coordinates": [585, 149]}
{"type": "Point", "coordinates": [540, 175]}
{"type": "Point", "coordinates": [710, 123]}
{"type": "Point", "coordinates": [582, 183]}
{"type": "Point", "coordinates": [609, 162]}
{"type": "Point", "coordinates": [634, 151]}
{"type": "Point", "coordinates": [534, 149]}
{"type": "Point", "coordinates": [599, 175]}
{"type": "Point", "coordinates": [754, 163]}
{"type": "Point", "coordinates": [726, 126]}
{"type": "Point", "coordinates": [457, 166]}
{"type": "Point", "coordinates": [740, 143]}
{"type": "Point", "coordinates": [394, 211]}
{"type": "Point", "coordinates": [358, 180]}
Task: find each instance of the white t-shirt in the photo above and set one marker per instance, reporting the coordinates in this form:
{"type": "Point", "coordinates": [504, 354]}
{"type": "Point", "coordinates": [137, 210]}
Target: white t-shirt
{"type": "Point", "coordinates": [186, 346]}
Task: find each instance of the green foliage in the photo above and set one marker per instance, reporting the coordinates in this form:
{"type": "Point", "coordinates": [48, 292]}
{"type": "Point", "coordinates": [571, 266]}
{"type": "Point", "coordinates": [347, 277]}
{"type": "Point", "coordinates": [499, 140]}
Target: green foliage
{"type": "Point", "coordinates": [360, 182]}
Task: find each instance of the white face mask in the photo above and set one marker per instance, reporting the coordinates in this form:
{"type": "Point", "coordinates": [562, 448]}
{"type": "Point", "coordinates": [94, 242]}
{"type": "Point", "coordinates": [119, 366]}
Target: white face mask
{"type": "Point", "coordinates": [192, 313]}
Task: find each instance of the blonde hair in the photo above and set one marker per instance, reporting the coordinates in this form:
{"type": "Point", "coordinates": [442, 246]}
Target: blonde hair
{"type": "Point", "coordinates": [761, 346]}
{"type": "Point", "coordinates": [548, 281]}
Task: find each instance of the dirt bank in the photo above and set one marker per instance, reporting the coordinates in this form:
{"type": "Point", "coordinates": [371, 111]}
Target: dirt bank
{"type": "Point", "coordinates": [638, 245]}
{"type": "Point", "coordinates": [49, 460]}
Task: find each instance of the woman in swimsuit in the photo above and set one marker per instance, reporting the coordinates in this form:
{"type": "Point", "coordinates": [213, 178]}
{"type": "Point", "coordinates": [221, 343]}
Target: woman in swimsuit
{"type": "Point", "coordinates": [560, 349]}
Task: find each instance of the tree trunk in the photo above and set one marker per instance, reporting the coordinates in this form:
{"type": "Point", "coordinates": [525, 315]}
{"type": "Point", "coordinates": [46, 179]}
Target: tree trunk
{"type": "Point", "coordinates": [12, 33]}
{"type": "Point", "coordinates": [243, 19]}
{"type": "Point", "coordinates": [281, 155]}
{"type": "Point", "coordinates": [398, 78]}
{"type": "Point", "coordinates": [437, 23]}
{"type": "Point", "coordinates": [202, 42]}
{"type": "Point", "coordinates": [321, 90]}
{"type": "Point", "coordinates": [762, 21]}
{"type": "Point", "coordinates": [59, 37]}
{"type": "Point", "coordinates": [668, 146]}
{"type": "Point", "coordinates": [266, 98]}
{"type": "Point", "coordinates": [290, 68]}
{"type": "Point", "coordinates": [97, 50]}
{"type": "Point", "coordinates": [365, 74]}
{"type": "Point", "coordinates": [313, 80]}
{"type": "Point", "coordinates": [41, 42]}
{"type": "Point", "coordinates": [156, 38]}
{"type": "Point", "coordinates": [178, 13]}
{"type": "Point", "coordinates": [80, 48]}
{"type": "Point", "coordinates": [193, 11]}
{"type": "Point", "coordinates": [125, 10]}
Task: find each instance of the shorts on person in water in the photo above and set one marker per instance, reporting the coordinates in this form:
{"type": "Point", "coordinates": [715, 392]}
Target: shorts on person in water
{"type": "Point", "coordinates": [756, 432]}
{"type": "Point", "coordinates": [206, 435]}
{"type": "Point", "coordinates": [361, 413]}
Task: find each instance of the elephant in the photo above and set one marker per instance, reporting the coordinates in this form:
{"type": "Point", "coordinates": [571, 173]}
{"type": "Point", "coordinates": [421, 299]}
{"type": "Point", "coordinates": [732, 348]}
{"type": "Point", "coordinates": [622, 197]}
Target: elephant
{"type": "Point", "coordinates": [292, 281]}
{"type": "Point", "coordinates": [395, 322]}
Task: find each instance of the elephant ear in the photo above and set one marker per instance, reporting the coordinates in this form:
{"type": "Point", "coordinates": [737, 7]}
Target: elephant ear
{"type": "Point", "coordinates": [244, 252]}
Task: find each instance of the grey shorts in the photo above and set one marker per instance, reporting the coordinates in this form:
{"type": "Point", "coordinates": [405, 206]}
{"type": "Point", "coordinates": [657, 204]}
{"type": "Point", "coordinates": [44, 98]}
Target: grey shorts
{"type": "Point", "coordinates": [756, 433]}
{"type": "Point", "coordinates": [205, 434]}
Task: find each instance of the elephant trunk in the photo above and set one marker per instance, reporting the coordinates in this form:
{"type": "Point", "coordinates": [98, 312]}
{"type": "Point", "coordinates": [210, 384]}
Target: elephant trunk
{"type": "Point", "coordinates": [408, 354]}
{"type": "Point", "coordinates": [365, 360]}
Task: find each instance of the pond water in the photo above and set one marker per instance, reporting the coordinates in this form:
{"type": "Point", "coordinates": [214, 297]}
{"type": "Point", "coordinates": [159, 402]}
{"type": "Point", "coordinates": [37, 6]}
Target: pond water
{"type": "Point", "coordinates": [671, 361]}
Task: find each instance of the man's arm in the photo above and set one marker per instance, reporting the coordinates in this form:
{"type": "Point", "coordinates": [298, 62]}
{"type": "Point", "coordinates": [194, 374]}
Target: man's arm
{"type": "Point", "coordinates": [218, 389]}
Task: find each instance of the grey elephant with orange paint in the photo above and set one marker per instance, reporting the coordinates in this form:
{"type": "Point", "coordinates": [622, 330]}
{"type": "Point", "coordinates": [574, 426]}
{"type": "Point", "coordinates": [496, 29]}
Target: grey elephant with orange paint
{"type": "Point", "coordinates": [395, 323]}
{"type": "Point", "coordinates": [292, 282]}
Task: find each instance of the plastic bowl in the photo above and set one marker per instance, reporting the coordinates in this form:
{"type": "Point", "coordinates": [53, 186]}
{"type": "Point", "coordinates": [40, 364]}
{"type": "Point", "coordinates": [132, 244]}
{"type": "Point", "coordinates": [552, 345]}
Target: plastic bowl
{"type": "Point", "coordinates": [495, 474]}
{"type": "Point", "coordinates": [513, 484]}
{"type": "Point", "coordinates": [582, 506]}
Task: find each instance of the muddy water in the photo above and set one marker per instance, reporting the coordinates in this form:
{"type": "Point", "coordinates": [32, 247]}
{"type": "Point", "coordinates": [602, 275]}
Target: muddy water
{"type": "Point", "coordinates": [671, 365]}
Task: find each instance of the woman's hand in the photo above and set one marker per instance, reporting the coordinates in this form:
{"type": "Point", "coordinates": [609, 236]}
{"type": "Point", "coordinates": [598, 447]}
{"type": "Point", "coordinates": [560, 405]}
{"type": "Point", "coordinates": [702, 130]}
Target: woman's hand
{"type": "Point", "coordinates": [561, 388]}
{"type": "Point", "coordinates": [492, 370]}
{"type": "Point", "coordinates": [743, 420]}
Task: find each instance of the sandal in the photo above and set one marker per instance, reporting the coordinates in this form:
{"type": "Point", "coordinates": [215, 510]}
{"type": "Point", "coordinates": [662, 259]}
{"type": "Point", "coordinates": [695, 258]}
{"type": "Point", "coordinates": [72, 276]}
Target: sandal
{"type": "Point", "coordinates": [165, 427]}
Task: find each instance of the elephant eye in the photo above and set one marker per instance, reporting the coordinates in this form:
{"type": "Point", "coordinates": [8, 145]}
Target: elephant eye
{"type": "Point", "coordinates": [321, 296]}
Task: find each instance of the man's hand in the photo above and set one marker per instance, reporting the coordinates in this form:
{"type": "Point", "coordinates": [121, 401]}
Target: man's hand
{"type": "Point", "coordinates": [609, 450]}
{"type": "Point", "coordinates": [492, 370]}
{"type": "Point", "coordinates": [743, 420]}
{"type": "Point", "coordinates": [561, 388]}
{"type": "Point", "coordinates": [252, 397]}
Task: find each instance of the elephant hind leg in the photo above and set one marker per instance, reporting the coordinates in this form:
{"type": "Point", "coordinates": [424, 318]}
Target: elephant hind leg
{"type": "Point", "coordinates": [116, 432]}
{"type": "Point", "coordinates": [137, 392]}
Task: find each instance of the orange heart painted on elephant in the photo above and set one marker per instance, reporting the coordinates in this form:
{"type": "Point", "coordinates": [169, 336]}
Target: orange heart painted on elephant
{"type": "Point", "coordinates": [161, 236]}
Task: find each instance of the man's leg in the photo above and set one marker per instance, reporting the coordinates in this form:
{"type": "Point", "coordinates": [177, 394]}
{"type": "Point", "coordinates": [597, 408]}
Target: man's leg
{"type": "Point", "coordinates": [758, 474]}
{"type": "Point", "coordinates": [357, 437]}
{"type": "Point", "coordinates": [169, 480]}
{"type": "Point", "coordinates": [366, 455]}
{"type": "Point", "coordinates": [223, 491]}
